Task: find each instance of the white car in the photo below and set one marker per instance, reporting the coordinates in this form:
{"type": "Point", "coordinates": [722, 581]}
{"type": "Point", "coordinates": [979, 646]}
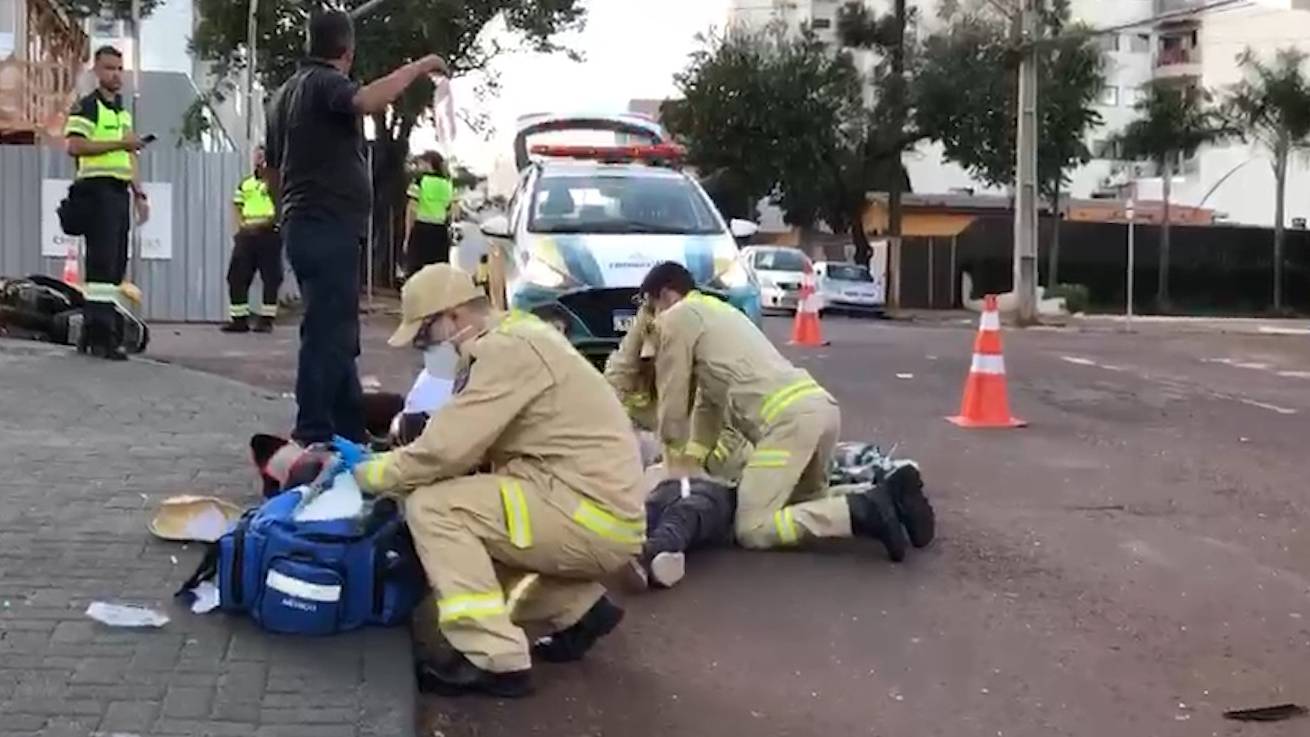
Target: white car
{"type": "Point", "coordinates": [847, 287]}
{"type": "Point", "coordinates": [586, 223]}
{"type": "Point", "coordinates": [779, 270]}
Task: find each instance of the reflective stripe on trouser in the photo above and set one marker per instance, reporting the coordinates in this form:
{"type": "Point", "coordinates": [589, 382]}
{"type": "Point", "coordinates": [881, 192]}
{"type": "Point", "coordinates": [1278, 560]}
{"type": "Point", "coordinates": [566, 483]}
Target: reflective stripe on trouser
{"type": "Point", "coordinates": [480, 536]}
{"type": "Point", "coordinates": [238, 311]}
{"type": "Point", "coordinates": [782, 497]}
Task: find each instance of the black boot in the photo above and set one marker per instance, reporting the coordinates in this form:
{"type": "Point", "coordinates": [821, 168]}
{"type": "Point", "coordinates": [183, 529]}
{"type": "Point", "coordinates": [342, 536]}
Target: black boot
{"type": "Point", "coordinates": [458, 676]}
{"type": "Point", "coordinates": [263, 324]}
{"type": "Point", "coordinates": [237, 325]}
{"type": "Point", "coordinates": [873, 515]}
{"type": "Point", "coordinates": [905, 487]}
{"type": "Point", "coordinates": [573, 642]}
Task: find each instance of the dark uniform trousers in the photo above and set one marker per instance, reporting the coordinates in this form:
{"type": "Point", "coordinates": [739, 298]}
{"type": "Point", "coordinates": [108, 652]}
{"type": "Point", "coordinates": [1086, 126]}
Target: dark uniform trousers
{"type": "Point", "coordinates": [256, 250]}
{"type": "Point", "coordinates": [106, 255]}
{"type": "Point", "coordinates": [429, 243]}
{"type": "Point", "coordinates": [678, 522]}
{"type": "Point", "coordinates": [324, 255]}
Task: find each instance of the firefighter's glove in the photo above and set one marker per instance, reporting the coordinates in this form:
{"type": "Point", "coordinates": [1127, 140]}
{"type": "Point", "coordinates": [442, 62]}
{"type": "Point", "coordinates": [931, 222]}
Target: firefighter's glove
{"type": "Point", "coordinates": [350, 453]}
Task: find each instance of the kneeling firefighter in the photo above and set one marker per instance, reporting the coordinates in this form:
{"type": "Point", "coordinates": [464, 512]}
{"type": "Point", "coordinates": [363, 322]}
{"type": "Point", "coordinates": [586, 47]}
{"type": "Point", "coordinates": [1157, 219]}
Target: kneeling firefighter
{"type": "Point", "coordinates": [562, 499]}
{"type": "Point", "coordinates": [708, 349]}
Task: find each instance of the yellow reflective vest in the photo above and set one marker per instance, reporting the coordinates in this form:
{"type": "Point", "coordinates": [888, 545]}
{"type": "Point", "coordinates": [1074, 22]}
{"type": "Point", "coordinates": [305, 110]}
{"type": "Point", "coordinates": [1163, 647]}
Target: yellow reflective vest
{"type": "Point", "coordinates": [255, 202]}
{"type": "Point", "coordinates": [95, 119]}
{"type": "Point", "coordinates": [433, 195]}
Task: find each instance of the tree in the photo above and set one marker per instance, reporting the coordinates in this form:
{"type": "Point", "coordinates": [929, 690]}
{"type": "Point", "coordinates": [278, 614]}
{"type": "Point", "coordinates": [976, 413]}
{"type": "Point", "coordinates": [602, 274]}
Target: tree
{"type": "Point", "coordinates": [396, 32]}
{"type": "Point", "coordinates": [768, 114]}
{"type": "Point", "coordinates": [879, 165]}
{"type": "Point", "coordinates": [967, 95]}
{"type": "Point", "coordinates": [1176, 119]}
{"type": "Point", "coordinates": [114, 8]}
{"type": "Point", "coordinates": [1272, 107]}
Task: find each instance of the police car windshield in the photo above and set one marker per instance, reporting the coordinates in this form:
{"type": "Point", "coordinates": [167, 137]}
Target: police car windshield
{"type": "Point", "coordinates": [848, 272]}
{"type": "Point", "coordinates": [607, 203]}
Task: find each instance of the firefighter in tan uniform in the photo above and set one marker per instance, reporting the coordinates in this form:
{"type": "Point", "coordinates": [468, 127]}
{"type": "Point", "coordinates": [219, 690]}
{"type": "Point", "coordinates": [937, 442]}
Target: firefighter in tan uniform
{"type": "Point", "coordinates": [562, 498]}
{"type": "Point", "coordinates": [739, 380]}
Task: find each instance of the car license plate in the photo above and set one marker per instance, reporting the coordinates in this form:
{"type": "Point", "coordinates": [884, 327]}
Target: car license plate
{"type": "Point", "coordinates": [623, 320]}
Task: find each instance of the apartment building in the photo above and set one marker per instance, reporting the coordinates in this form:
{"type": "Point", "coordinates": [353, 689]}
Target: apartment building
{"type": "Point", "coordinates": [1187, 46]}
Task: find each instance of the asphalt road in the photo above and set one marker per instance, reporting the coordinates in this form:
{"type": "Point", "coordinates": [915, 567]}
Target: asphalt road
{"type": "Point", "coordinates": [1134, 562]}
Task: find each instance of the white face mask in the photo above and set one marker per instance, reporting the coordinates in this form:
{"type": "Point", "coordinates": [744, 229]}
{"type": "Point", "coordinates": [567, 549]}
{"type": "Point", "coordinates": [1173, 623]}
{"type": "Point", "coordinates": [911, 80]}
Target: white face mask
{"type": "Point", "coordinates": [439, 361]}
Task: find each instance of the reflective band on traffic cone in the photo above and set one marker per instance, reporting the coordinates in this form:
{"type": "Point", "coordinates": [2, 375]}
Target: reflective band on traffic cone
{"type": "Point", "coordinates": [805, 331]}
{"type": "Point", "coordinates": [986, 403]}
{"type": "Point", "coordinates": [71, 276]}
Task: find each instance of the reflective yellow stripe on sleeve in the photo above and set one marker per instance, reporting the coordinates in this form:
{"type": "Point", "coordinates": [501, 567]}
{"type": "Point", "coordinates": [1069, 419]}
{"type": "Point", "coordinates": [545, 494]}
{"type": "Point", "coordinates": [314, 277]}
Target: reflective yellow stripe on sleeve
{"type": "Point", "coordinates": [375, 471]}
{"type": "Point", "coordinates": [517, 521]}
{"type": "Point", "coordinates": [696, 450]}
{"type": "Point", "coordinates": [471, 606]}
{"type": "Point", "coordinates": [776, 402]}
{"type": "Point", "coordinates": [767, 458]}
{"type": "Point", "coordinates": [785, 524]}
{"type": "Point", "coordinates": [80, 125]}
{"type": "Point", "coordinates": [601, 522]}
{"type": "Point", "coordinates": [636, 400]}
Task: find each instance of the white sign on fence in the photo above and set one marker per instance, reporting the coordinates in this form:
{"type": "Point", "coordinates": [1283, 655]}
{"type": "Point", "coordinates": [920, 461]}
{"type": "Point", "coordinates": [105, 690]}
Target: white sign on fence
{"type": "Point", "coordinates": [156, 234]}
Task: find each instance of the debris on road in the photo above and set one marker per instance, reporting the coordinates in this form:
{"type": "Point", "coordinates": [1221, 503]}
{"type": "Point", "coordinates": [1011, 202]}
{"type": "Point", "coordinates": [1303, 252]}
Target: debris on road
{"type": "Point", "coordinates": [1277, 713]}
{"type": "Point", "coordinates": [125, 615]}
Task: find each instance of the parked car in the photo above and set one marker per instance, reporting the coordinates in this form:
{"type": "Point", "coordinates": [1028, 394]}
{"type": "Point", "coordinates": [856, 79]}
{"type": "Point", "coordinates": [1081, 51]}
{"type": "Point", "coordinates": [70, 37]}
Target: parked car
{"type": "Point", "coordinates": [847, 287]}
{"type": "Point", "coordinates": [779, 270]}
{"type": "Point", "coordinates": [586, 224]}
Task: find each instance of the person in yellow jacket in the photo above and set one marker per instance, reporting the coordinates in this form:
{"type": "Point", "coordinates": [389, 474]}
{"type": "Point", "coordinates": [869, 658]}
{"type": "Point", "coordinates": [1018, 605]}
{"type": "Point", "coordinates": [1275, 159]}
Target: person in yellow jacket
{"type": "Point", "coordinates": [708, 351]}
{"type": "Point", "coordinates": [428, 214]}
{"type": "Point", "coordinates": [256, 247]}
{"type": "Point", "coordinates": [101, 138]}
{"type": "Point", "coordinates": [561, 499]}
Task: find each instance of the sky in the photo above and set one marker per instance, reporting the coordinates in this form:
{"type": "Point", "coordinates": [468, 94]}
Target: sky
{"type": "Point", "coordinates": [631, 48]}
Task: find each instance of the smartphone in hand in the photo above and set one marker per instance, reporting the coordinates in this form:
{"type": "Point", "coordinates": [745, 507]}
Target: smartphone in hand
{"type": "Point", "coordinates": [149, 138]}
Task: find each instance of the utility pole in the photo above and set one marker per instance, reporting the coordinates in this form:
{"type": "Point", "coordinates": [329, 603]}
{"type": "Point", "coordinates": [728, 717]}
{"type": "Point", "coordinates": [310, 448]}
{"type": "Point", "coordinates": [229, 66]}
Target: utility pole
{"type": "Point", "coordinates": [252, 29]}
{"type": "Point", "coordinates": [894, 187]}
{"type": "Point", "coordinates": [137, 276]}
{"type": "Point", "coordinates": [1025, 201]}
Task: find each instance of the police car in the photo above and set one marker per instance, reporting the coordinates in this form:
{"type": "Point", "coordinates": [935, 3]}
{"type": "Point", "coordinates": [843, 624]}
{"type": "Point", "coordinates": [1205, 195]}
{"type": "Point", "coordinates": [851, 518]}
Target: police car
{"type": "Point", "coordinates": [586, 223]}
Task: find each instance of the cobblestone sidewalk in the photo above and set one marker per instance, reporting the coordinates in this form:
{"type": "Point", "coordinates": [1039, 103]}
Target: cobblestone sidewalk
{"type": "Point", "coordinates": [89, 449]}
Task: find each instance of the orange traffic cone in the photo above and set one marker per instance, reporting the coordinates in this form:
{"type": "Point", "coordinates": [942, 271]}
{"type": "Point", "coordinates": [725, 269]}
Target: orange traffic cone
{"type": "Point", "coordinates": [70, 275]}
{"type": "Point", "coordinates": [985, 402]}
{"type": "Point", "coordinates": [805, 331]}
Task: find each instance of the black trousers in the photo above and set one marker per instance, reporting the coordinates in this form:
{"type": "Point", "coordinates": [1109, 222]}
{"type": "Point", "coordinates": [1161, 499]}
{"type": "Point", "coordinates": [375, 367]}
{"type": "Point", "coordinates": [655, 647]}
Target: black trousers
{"type": "Point", "coordinates": [676, 523]}
{"type": "Point", "coordinates": [324, 256]}
{"type": "Point", "coordinates": [258, 250]}
{"type": "Point", "coordinates": [428, 244]}
{"type": "Point", "coordinates": [106, 258]}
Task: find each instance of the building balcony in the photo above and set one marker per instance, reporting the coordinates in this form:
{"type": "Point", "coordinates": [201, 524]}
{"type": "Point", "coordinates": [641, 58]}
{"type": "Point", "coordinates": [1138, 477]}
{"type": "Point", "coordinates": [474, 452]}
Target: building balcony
{"type": "Point", "coordinates": [34, 99]}
{"type": "Point", "coordinates": [1176, 59]}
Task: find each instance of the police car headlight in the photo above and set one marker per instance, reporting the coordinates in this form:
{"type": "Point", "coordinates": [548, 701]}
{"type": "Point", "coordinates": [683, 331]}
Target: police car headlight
{"type": "Point", "coordinates": [536, 271]}
{"type": "Point", "coordinates": [734, 277]}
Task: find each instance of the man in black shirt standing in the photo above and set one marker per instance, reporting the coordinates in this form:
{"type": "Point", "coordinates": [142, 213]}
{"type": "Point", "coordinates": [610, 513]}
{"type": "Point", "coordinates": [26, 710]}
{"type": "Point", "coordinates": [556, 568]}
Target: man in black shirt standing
{"type": "Point", "coordinates": [315, 152]}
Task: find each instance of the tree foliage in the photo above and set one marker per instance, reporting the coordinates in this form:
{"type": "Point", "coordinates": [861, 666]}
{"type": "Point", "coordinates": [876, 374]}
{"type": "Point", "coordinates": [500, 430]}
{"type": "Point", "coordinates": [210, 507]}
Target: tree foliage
{"type": "Point", "coordinates": [966, 94]}
{"type": "Point", "coordinates": [761, 113]}
{"type": "Point", "coordinates": [397, 32]}
{"type": "Point", "coordinates": [113, 8]}
{"type": "Point", "coordinates": [1174, 121]}
{"type": "Point", "coordinates": [1272, 108]}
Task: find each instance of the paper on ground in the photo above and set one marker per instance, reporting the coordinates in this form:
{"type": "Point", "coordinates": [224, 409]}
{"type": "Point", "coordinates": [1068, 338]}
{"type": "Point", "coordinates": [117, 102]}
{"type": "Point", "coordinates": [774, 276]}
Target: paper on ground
{"type": "Point", "coordinates": [125, 615]}
{"type": "Point", "coordinates": [206, 593]}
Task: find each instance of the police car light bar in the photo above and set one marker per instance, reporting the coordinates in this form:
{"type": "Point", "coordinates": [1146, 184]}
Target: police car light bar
{"type": "Point", "coordinates": [650, 153]}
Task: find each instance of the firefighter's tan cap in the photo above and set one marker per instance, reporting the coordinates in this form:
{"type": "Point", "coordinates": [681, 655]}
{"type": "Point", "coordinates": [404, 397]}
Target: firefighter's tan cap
{"type": "Point", "coordinates": [431, 290]}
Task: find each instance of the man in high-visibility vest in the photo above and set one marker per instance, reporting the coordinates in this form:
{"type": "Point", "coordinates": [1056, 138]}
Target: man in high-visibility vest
{"type": "Point", "coordinates": [428, 214]}
{"type": "Point", "coordinates": [562, 498]}
{"type": "Point", "coordinates": [100, 136]}
{"type": "Point", "coordinates": [710, 351]}
{"type": "Point", "coordinates": [257, 247]}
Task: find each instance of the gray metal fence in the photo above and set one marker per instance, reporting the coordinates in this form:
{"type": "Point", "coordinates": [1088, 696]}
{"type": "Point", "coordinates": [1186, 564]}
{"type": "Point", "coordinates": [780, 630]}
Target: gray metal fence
{"type": "Point", "coordinates": [184, 264]}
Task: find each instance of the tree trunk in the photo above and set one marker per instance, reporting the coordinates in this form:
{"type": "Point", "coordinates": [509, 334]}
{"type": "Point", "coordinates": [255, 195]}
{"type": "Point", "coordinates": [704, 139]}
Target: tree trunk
{"type": "Point", "coordinates": [389, 156]}
{"type": "Point", "coordinates": [1053, 267]}
{"type": "Point", "coordinates": [1162, 283]}
{"type": "Point", "coordinates": [1280, 194]}
{"type": "Point", "coordinates": [863, 250]}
